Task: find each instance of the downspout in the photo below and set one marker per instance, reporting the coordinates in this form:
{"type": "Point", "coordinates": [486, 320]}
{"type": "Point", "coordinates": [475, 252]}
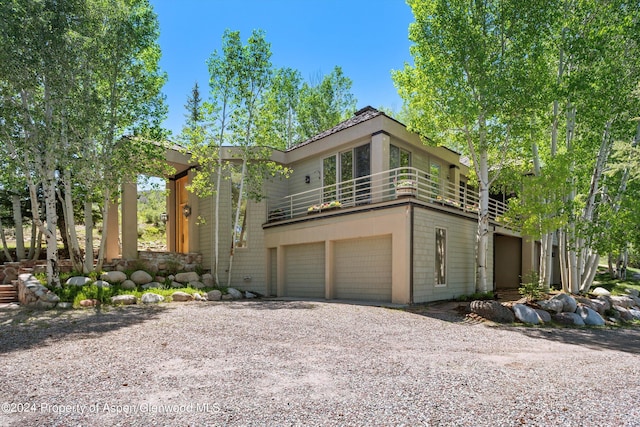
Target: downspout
{"type": "Point", "coordinates": [411, 254]}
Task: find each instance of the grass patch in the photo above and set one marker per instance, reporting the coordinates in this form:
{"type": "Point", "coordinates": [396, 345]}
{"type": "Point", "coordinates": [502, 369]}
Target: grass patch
{"type": "Point", "coordinates": [616, 286]}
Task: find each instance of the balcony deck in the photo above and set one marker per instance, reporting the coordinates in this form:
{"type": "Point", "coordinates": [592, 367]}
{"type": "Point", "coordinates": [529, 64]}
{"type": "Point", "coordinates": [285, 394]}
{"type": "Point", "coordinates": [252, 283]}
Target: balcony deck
{"type": "Point", "coordinates": [378, 189]}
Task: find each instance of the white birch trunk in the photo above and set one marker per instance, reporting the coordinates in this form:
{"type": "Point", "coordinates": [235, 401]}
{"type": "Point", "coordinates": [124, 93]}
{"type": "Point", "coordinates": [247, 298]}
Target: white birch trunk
{"type": "Point", "coordinates": [482, 237]}
{"type": "Point", "coordinates": [88, 239]}
{"type": "Point", "coordinates": [216, 246]}
{"type": "Point", "coordinates": [105, 229]}
{"type": "Point", "coordinates": [236, 221]}
{"type": "Point", "coordinates": [5, 248]}
{"type": "Point", "coordinates": [67, 209]}
{"type": "Point", "coordinates": [53, 273]}
{"type": "Point", "coordinates": [17, 221]}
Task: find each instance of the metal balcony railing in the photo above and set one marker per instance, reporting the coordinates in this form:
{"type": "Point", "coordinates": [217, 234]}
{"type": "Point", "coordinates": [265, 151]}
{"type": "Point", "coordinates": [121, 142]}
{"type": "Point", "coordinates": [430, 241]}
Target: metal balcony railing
{"type": "Point", "coordinates": [385, 186]}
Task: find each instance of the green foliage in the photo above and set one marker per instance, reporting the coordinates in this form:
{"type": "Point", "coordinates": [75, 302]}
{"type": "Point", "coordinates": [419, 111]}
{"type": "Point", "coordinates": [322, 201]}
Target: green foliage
{"type": "Point", "coordinates": [530, 287]}
{"type": "Point", "coordinates": [489, 295]}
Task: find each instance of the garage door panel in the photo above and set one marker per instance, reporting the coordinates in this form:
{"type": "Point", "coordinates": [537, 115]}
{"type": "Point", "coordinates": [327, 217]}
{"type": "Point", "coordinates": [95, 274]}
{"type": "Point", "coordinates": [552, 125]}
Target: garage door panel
{"type": "Point", "coordinates": [304, 271]}
{"type": "Point", "coordinates": [363, 269]}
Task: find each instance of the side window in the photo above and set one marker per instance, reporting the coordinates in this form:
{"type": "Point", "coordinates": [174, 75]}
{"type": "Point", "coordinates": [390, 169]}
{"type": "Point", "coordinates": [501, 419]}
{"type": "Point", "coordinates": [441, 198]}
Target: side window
{"type": "Point", "coordinates": [441, 257]}
{"type": "Point", "coordinates": [329, 178]}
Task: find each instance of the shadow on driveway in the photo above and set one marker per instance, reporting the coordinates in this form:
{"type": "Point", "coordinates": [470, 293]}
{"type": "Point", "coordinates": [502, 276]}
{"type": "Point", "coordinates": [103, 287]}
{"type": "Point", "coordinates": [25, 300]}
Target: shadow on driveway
{"type": "Point", "coordinates": [24, 328]}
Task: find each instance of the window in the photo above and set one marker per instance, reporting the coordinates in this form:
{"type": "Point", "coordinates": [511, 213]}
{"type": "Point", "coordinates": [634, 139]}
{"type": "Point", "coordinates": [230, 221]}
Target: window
{"type": "Point", "coordinates": [346, 175]}
{"type": "Point", "coordinates": [241, 232]}
{"type": "Point", "coordinates": [329, 178]}
{"type": "Point", "coordinates": [434, 176]}
{"type": "Point", "coordinates": [399, 158]}
{"type": "Point", "coordinates": [441, 257]}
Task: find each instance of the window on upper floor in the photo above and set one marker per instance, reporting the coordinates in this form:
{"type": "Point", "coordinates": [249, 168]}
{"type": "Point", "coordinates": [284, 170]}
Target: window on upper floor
{"type": "Point", "coordinates": [399, 158]}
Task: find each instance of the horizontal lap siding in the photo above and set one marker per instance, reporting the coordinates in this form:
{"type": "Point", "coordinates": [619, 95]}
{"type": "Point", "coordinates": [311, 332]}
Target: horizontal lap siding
{"type": "Point", "coordinates": [461, 241]}
{"type": "Point", "coordinates": [304, 270]}
{"type": "Point", "coordinates": [363, 269]}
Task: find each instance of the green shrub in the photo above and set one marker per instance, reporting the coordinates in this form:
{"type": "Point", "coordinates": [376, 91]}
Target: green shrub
{"type": "Point", "coordinates": [530, 287]}
{"type": "Point", "coordinates": [477, 296]}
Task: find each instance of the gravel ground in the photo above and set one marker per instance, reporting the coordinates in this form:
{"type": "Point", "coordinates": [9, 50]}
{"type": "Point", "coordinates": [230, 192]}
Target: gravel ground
{"type": "Point", "coordinates": [308, 363]}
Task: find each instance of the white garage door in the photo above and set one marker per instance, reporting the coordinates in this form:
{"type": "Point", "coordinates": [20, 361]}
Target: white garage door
{"type": "Point", "coordinates": [363, 269]}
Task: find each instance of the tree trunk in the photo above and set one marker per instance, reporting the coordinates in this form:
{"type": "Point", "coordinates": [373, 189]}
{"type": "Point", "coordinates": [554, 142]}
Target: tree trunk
{"type": "Point", "coordinates": [5, 248]}
{"type": "Point", "coordinates": [482, 238]}
{"type": "Point", "coordinates": [88, 240]}
{"type": "Point", "coordinates": [53, 272]}
{"type": "Point", "coordinates": [237, 219]}
{"type": "Point", "coordinates": [17, 221]}
{"type": "Point", "coordinates": [67, 208]}
{"type": "Point", "coordinates": [32, 246]}
{"type": "Point", "coordinates": [105, 230]}
{"type": "Point", "coordinates": [216, 245]}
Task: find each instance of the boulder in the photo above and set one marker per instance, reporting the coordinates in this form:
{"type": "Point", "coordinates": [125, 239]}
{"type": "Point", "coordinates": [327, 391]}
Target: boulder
{"type": "Point", "coordinates": [207, 279]}
{"type": "Point", "coordinates": [235, 294]}
{"type": "Point", "coordinates": [492, 310]}
{"type": "Point", "coordinates": [214, 295]}
{"type": "Point", "coordinates": [601, 306]}
{"type": "Point", "coordinates": [181, 296]}
{"type": "Point", "coordinates": [623, 301]}
{"type": "Point", "coordinates": [128, 285]}
{"type": "Point", "coordinates": [544, 315]}
{"type": "Point", "coordinates": [625, 314]}
{"type": "Point", "coordinates": [189, 276]}
{"type": "Point", "coordinates": [102, 284]}
{"type": "Point", "coordinates": [89, 302]}
{"type": "Point", "coordinates": [566, 318]}
{"type": "Point", "coordinates": [551, 305]}
{"type": "Point", "coordinates": [151, 298]}
{"type": "Point", "coordinates": [114, 276]}
{"type": "Point", "coordinates": [600, 291]}
{"type": "Point", "coordinates": [177, 285]}
{"type": "Point", "coordinates": [633, 292]}
{"type": "Point", "coordinates": [64, 304]}
{"type": "Point", "coordinates": [583, 300]}
{"type": "Point", "coordinates": [635, 313]}
{"type": "Point", "coordinates": [153, 285]}
{"type": "Point", "coordinates": [78, 281]}
{"type": "Point", "coordinates": [227, 297]}
{"type": "Point", "coordinates": [249, 295]}
{"type": "Point", "coordinates": [141, 277]}
{"type": "Point", "coordinates": [124, 299]}
{"type": "Point", "coordinates": [569, 303]}
{"type": "Point", "coordinates": [196, 284]}
{"type": "Point", "coordinates": [198, 297]}
{"type": "Point", "coordinates": [590, 316]}
{"type": "Point", "coordinates": [10, 274]}
{"type": "Point", "coordinates": [526, 314]}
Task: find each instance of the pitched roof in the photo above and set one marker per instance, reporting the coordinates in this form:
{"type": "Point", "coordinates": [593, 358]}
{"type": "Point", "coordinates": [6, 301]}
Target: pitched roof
{"type": "Point", "coordinates": [362, 115]}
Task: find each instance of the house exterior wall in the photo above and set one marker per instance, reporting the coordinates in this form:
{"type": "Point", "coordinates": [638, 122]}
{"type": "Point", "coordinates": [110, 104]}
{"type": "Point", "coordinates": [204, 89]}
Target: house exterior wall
{"type": "Point", "coordinates": [460, 255]}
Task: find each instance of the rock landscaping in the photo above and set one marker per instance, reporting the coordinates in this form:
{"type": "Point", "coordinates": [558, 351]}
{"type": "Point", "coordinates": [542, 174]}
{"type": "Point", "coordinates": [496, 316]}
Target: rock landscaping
{"type": "Point", "coordinates": [35, 295]}
{"type": "Point", "coordinates": [601, 309]}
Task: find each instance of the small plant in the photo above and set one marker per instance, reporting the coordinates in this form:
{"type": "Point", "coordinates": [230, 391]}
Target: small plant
{"type": "Point", "coordinates": [406, 183]}
{"type": "Point", "coordinates": [477, 296]}
{"type": "Point", "coordinates": [530, 287]}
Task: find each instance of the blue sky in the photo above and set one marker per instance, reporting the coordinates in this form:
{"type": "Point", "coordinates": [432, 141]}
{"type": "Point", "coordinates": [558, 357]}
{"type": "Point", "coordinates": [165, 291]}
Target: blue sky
{"type": "Point", "coordinates": [367, 38]}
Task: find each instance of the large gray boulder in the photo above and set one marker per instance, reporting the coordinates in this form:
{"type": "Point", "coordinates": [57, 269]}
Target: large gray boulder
{"type": "Point", "coordinates": [78, 281]}
{"type": "Point", "coordinates": [635, 313]}
{"type": "Point", "coordinates": [571, 319]}
{"type": "Point", "coordinates": [153, 285]}
{"type": "Point", "coordinates": [526, 314]}
{"type": "Point", "coordinates": [151, 298]}
{"type": "Point", "coordinates": [492, 310]}
{"type": "Point", "coordinates": [569, 303]}
{"type": "Point", "coordinates": [102, 283]}
{"type": "Point", "coordinates": [544, 315]}
{"type": "Point", "coordinates": [189, 276]}
{"type": "Point", "coordinates": [589, 316]}
{"type": "Point", "coordinates": [600, 305]}
{"type": "Point", "coordinates": [235, 294]}
{"type": "Point", "coordinates": [207, 279]}
{"type": "Point", "coordinates": [141, 277]}
{"type": "Point", "coordinates": [625, 314]}
{"type": "Point", "coordinates": [196, 284]}
{"type": "Point", "coordinates": [214, 295]}
{"type": "Point", "coordinates": [551, 305]}
{"type": "Point", "coordinates": [633, 292]}
{"type": "Point", "coordinates": [128, 285]}
{"type": "Point", "coordinates": [623, 301]}
{"type": "Point", "coordinates": [114, 276]}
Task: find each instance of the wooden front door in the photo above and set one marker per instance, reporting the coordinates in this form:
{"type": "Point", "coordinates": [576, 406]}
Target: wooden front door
{"type": "Point", "coordinates": [182, 221]}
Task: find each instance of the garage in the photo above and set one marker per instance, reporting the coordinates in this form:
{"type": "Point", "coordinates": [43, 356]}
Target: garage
{"type": "Point", "coordinates": [304, 271]}
{"type": "Point", "coordinates": [363, 269]}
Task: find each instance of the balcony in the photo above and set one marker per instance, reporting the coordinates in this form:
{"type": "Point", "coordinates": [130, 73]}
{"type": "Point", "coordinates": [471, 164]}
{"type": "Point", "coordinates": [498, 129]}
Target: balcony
{"type": "Point", "coordinates": [394, 184]}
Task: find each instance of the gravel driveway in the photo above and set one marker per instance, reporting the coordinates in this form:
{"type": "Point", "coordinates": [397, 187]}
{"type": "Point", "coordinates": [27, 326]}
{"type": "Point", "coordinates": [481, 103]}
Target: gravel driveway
{"type": "Point", "coordinates": [308, 363]}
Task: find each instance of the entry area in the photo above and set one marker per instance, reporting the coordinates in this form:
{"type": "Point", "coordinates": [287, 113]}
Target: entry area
{"type": "Point", "coordinates": [507, 261]}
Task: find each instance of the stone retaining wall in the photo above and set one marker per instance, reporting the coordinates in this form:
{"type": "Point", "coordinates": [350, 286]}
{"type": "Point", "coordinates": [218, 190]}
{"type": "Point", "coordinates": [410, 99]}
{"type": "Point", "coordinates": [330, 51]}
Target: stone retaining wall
{"type": "Point", "coordinates": [157, 261]}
